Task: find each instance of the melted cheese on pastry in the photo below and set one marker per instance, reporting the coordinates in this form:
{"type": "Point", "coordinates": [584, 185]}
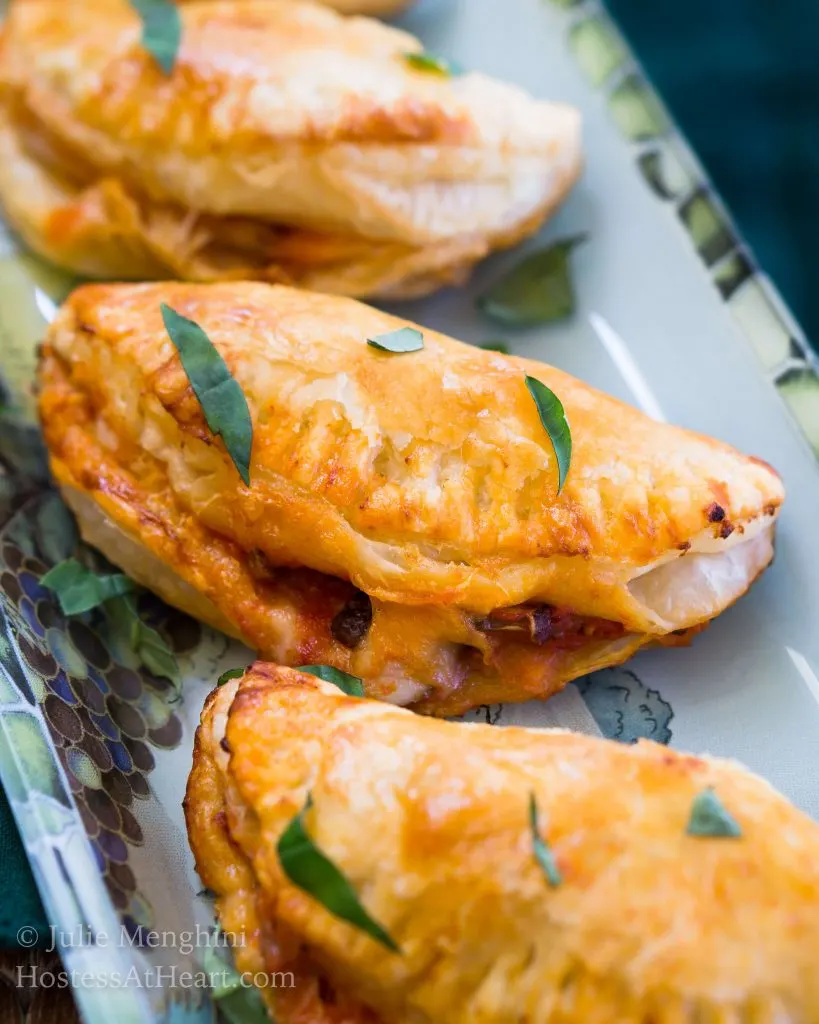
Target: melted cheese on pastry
{"type": "Point", "coordinates": [425, 480]}
{"type": "Point", "coordinates": [429, 822]}
{"type": "Point", "coordinates": [290, 144]}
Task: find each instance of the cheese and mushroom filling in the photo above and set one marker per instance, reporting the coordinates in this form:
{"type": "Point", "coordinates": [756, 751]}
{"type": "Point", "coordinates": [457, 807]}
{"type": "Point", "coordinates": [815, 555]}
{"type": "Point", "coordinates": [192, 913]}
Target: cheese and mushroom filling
{"type": "Point", "coordinates": [439, 659]}
{"type": "Point", "coordinates": [436, 659]}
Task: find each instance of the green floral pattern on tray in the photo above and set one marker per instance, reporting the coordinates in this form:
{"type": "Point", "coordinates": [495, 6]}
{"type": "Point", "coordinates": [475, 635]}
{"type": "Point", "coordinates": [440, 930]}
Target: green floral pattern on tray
{"type": "Point", "coordinates": [799, 386]}
{"type": "Point", "coordinates": [598, 51]}
{"type": "Point", "coordinates": [80, 724]}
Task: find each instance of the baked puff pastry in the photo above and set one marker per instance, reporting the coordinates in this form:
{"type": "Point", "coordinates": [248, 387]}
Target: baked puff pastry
{"type": "Point", "coordinates": [637, 921]}
{"type": "Point", "coordinates": [402, 521]}
{"type": "Point", "coordinates": [289, 144]}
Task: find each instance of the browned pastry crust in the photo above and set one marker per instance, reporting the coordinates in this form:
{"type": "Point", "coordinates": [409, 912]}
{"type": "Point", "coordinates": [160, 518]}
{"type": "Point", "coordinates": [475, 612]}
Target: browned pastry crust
{"type": "Point", "coordinates": [290, 144]}
{"type": "Point", "coordinates": [428, 820]}
{"type": "Point", "coordinates": [418, 487]}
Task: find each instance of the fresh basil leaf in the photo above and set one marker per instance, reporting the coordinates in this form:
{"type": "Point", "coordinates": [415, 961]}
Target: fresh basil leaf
{"type": "Point", "coordinates": [223, 401]}
{"type": "Point", "coordinates": [143, 639]}
{"type": "Point", "coordinates": [553, 417]}
{"type": "Point", "coordinates": [238, 1000]}
{"type": "Point", "coordinates": [232, 673]}
{"type": "Point", "coordinates": [426, 61]}
{"type": "Point", "coordinates": [405, 339]}
{"type": "Point", "coordinates": [155, 654]}
{"type": "Point", "coordinates": [78, 589]}
{"type": "Point", "coordinates": [495, 346]}
{"type": "Point", "coordinates": [240, 1003]}
{"type": "Point", "coordinates": [161, 30]}
{"type": "Point", "coordinates": [710, 818]}
{"type": "Point", "coordinates": [350, 685]}
{"type": "Point", "coordinates": [122, 627]}
{"type": "Point", "coordinates": [307, 867]}
{"type": "Point", "coordinates": [537, 291]}
{"type": "Point", "coordinates": [543, 855]}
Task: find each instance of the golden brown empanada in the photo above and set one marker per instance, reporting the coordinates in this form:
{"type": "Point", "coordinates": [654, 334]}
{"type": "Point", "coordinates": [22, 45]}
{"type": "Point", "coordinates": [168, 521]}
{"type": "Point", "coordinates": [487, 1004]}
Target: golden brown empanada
{"type": "Point", "coordinates": [429, 821]}
{"type": "Point", "coordinates": [402, 521]}
{"type": "Point", "coordinates": [290, 144]}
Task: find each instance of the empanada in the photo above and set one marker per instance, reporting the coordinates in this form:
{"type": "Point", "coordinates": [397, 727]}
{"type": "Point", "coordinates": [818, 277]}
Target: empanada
{"type": "Point", "coordinates": [403, 521]}
{"type": "Point", "coordinates": [290, 144]}
{"type": "Point", "coordinates": [429, 821]}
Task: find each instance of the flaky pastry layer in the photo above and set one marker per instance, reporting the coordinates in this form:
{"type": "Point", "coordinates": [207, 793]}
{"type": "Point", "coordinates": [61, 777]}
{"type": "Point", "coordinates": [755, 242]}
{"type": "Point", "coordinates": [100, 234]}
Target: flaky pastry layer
{"type": "Point", "coordinates": [429, 822]}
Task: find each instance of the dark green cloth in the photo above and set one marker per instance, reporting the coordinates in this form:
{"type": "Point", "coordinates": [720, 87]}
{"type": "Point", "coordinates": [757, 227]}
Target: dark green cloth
{"type": "Point", "coordinates": [19, 903]}
{"type": "Point", "coordinates": [742, 79]}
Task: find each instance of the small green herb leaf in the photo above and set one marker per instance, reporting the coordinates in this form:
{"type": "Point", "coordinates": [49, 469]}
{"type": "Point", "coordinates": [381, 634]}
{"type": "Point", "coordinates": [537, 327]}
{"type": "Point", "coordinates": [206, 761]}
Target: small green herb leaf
{"type": "Point", "coordinates": [710, 818]}
{"type": "Point", "coordinates": [351, 685]}
{"type": "Point", "coordinates": [239, 1002]}
{"type": "Point", "coordinates": [496, 346]}
{"type": "Point", "coordinates": [223, 401]}
{"type": "Point", "coordinates": [405, 339]}
{"type": "Point", "coordinates": [161, 30]}
{"type": "Point", "coordinates": [537, 291]}
{"type": "Point", "coordinates": [425, 61]}
{"type": "Point", "coordinates": [155, 654]}
{"type": "Point", "coordinates": [553, 417]}
{"type": "Point", "coordinates": [143, 639]}
{"type": "Point", "coordinates": [232, 673]}
{"type": "Point", "coordinates": [307, 867]}
{"type": "Point", "coordinates": [543, 855]}
{"type": "Point", "coordinates": [79, 589]}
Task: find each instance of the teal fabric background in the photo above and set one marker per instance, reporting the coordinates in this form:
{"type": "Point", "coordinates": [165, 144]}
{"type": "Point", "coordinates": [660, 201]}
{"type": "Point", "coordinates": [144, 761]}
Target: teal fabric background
{"type": "Point", "coordinates": [19, 903]}
{"type": "Point", "coordinates": [742, 79]}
